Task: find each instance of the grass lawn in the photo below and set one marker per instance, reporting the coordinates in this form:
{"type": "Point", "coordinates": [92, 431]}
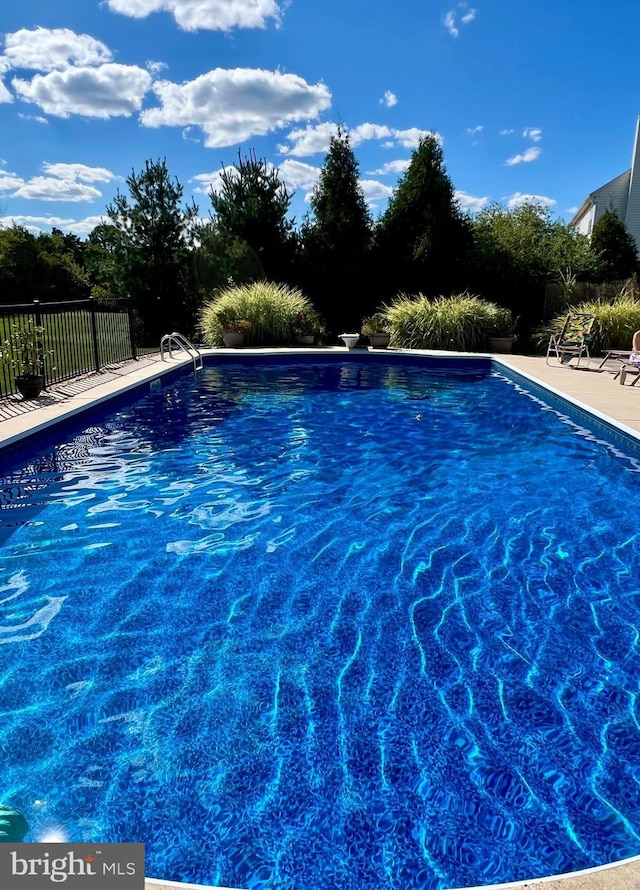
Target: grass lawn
{"type": "Point", "coordinates": [69, 335]}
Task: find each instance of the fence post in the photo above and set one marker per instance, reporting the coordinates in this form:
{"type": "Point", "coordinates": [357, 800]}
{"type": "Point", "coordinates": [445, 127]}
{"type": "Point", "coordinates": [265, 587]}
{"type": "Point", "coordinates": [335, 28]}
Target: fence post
{"type": "Point", "coordinates": [37, 315]}
{"type": "Point", "coordinates": [94, 335]}
{"type": "Point", "coordinates": [132, 330]}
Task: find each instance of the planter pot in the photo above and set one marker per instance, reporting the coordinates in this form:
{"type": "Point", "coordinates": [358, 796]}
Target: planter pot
{"type": "Point", "coordinates": [232, 338]}
{"type": "Point", "coordinates": [30, 387]}
{"type": "Point", "coordinates": [379, 340]}
{"type": "Point", "coordinates": [350, 340]}
{"type": "Point", "coordinates": [305, 339]}
{"type": "Point", "coordinates": [500, 344]}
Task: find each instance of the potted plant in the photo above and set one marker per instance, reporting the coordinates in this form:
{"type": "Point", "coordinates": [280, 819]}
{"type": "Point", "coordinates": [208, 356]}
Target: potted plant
{"type": "Point", "coordinates": [232, 327]}
{"type": "Point", "coordinates": [503, 329]}
{"type": "Point", "coordinates": [25, 351]}
{"type": "Point", "coordinates": [376, 328]}
{"type": "Point", "coordinates": [306, 328]}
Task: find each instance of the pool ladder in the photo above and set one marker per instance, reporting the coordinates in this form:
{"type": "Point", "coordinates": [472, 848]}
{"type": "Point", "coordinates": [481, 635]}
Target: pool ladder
{"type": "Point", "coordinates": [176, 340]}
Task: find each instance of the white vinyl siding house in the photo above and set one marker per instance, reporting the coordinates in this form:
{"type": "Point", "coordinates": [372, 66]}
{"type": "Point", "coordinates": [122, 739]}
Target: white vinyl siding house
{"type": "Point", "coordinates": [621, 194]}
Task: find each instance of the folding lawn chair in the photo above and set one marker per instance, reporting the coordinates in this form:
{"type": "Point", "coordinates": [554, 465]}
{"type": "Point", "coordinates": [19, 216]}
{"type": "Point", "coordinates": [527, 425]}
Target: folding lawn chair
{"type": "Point", "coordinates": [573, 340]}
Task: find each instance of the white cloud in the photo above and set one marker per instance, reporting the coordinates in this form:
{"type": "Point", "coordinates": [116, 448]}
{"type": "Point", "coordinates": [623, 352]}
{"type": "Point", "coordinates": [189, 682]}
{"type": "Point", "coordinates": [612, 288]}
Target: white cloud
{"type": "Point", "coordinates": [155, 67]}
{"type": "Point", "coordinates": [309, 141]}
{"type": "Point", "coordinates": [517, 199]}
{"type": "Point", "coordinates": [79, 172]}
{"type": "Point", "coordinates": [450, 24]}
{"type": "Point", "coordinates": [232, 105]}
{"type": "Point", "coordinates": [410, 138]}
{"type": "Point", "coordinates": [85, 226]}
{"type": "Point", "coordinates": [572, 210]}
{"type": "Point", "coordinates": [461, 15]}
{"type": "Point", "coordinates": [9, 181]}
{"type": "Point", "coordinates": [533, 133]}
{"type": "Point", "coordinates": [51, 49]}
{"type": "Point", "coordinates": [506, 132]}
{"type": "Point", "coordinates": [211, 15]}
{"type": "Point", "coordinates": [531, 154]}
{"type": "Point", "coordinates": [56, 186]}
{"type": "Point", "coordinates": [187, 134]}
{"type": "Point", "coordinates": [396, 167]}
{"type": "Point", "coordinates": [211, 182]}
{"type": "Point", "coordinates": [294, 174]}
{"type": "Point", "coordinates": [473, 130]}
{"type": "Point", "coordinates": [5, 95]}
{"type": "Point", "coordinates": [47, 188]}
{"type": "Point", "coordinates": [43, 223]}
{"type": "Point", "coordinates": [107, 91]}
{"type": "Point", "coordinates": [297, 175]}
{"type": "Point", "coordinates": [61, 183]}
{"type": "Point", "coordinates": [374, 191]}
{"type": "Point", "coordinates": [314, 139]}
{"type": "Point", "coordinates": [33, 117]}
{"type": "Point", "coordinates": [389, 99]}
{"type": "Point", "coordinates": [365, 132]}
{"type": "Point", "coordinates": [469, 202]}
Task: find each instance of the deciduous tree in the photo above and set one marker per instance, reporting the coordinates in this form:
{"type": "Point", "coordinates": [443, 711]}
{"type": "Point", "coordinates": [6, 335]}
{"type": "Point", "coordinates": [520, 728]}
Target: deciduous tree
{"type": "Point", "coordinates": [46, 267]}
{"type": "Point", "coordinates": [518, 251]}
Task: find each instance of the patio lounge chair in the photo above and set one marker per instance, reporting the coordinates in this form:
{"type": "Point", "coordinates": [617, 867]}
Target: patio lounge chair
{"type": "Point", "coordinates": [573, 340]}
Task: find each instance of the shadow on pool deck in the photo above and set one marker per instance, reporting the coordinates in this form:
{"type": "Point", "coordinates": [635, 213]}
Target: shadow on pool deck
{"type": "Point", "coordinates": [589, 386]}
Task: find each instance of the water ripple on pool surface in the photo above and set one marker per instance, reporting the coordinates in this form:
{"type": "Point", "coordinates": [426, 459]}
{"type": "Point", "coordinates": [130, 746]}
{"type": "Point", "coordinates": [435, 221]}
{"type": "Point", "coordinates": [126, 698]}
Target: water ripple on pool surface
{"type": "Point", "coordinates": [335, 626]}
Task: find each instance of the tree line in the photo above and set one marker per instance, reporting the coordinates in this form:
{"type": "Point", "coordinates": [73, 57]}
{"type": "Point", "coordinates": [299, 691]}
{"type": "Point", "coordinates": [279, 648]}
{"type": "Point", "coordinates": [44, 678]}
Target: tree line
{"type": "Point", "coordinates": [157, 249]}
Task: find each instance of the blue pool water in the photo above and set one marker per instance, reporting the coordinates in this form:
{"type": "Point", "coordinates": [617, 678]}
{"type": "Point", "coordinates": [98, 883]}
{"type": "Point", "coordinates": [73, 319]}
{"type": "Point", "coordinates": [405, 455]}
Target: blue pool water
{"type": "Point", "coordinates": [339, 625]}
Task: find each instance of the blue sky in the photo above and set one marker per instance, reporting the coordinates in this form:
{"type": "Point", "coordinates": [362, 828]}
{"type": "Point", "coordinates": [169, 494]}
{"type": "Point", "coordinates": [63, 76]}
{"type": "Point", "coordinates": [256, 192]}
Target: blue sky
{"type": "Point", "coordinates": [537, 100]}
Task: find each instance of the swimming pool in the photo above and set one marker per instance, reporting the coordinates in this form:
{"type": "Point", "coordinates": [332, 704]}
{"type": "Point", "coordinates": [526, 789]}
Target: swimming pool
{"type": "Point", "coordinates": [344, 623]}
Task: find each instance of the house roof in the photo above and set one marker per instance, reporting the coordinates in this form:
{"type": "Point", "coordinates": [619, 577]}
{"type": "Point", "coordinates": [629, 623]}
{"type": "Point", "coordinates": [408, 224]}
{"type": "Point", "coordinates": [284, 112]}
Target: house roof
{"type": "Point", "coordinates": [592, 198]}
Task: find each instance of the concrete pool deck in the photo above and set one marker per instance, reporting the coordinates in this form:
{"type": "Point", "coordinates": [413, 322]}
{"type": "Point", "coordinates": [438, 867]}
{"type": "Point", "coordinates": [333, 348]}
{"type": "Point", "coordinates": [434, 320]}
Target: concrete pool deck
{"type": "Point", "coordinates": [590, 387]}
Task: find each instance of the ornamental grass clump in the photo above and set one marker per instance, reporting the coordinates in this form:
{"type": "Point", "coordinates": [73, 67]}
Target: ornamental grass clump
{"type": "Point", "coordinates": [614, 326]}
{"type": "Point", "coordinates": [272, 310]}
{"type": "Point", "coordinates": [615, 323]}
{"type": "Point", "coordinates": [459, 322]}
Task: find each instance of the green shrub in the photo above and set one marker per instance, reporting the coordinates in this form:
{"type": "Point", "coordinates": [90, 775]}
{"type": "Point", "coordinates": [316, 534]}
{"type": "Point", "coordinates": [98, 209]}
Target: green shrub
{"type": "Point", "coordinates": [614, 326]}
{"type": "Point", "coordinates": [461, 322]}
{"type": "Point", "coordinates": [503, 323]}
{"type": "Point", "coordinates": [271, 309]}
{"type": "Point", "coordinates": [374, 324]}
{"type": "Point", "coordinates": [308, 324]}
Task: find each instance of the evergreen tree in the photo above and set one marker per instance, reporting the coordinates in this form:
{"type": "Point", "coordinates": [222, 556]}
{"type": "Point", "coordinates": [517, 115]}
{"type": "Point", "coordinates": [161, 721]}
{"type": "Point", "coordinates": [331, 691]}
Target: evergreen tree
{"type": "Point", "coordinates": [616, 248]}
{"type": "Point", "coordinates": [336, 243]}
{"type": "Point", "coordinates": [221, 259]}
{"type": "Point", "coordinates": [422, 239]}
{"type": "Point", "coordinates": [252, 206]}
{"type": "Point", "coordinates": [157, 233]}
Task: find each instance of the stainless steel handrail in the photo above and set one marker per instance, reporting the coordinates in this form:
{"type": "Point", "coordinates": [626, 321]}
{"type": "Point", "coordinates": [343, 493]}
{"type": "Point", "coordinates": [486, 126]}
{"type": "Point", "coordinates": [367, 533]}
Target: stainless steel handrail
{"type": "Point", "coordinates": [179, 341]}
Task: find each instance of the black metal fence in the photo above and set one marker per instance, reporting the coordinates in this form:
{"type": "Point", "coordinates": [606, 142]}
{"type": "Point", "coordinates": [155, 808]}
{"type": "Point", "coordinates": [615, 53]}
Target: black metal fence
{"type": "Point", "coordinates": [79, 337]}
